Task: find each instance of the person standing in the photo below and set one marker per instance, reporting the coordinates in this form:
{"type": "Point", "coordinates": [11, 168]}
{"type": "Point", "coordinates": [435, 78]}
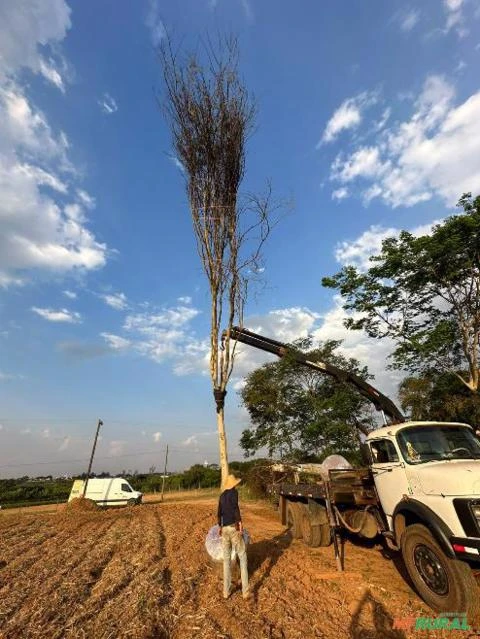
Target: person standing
{"type": "Point", "coordinates": [231, 531]}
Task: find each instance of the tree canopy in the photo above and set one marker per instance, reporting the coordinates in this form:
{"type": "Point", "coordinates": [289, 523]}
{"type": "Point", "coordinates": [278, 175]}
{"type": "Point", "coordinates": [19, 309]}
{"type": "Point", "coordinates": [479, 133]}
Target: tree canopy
{"type": "Point", "coordinates": [440, 397]}
{"type": "Point", "coordinates": [424, 293]}
{"type": "Point", "coordinates": [298, 413]}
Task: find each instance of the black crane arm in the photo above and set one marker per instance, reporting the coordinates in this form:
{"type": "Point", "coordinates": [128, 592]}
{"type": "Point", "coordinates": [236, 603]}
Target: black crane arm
{"type": "Point", "coordinates": [380, 401]}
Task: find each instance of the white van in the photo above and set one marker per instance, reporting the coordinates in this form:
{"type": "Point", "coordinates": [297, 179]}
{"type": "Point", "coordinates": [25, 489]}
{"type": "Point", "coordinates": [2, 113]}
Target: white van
{"type": "Point", "coordinates": [108, 491]}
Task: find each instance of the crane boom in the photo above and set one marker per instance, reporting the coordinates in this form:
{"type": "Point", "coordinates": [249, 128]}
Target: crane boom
{"type": "Point", "coordinates": [380, 401]}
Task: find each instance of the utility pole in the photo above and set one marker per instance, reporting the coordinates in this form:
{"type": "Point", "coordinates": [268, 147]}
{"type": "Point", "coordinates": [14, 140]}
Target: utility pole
{"type": "Point", "coordinates": [100, 423]}
{"type": "Point", "coordinates": [165, 471]}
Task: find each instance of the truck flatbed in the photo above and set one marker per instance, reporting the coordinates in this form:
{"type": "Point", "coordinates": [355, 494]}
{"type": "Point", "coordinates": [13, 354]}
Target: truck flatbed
{"type": "Point", "coordinates": [343, 487]}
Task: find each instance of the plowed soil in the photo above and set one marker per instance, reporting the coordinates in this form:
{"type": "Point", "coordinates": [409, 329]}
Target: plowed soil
{"type": "Point", "coordinates": [142, 572]}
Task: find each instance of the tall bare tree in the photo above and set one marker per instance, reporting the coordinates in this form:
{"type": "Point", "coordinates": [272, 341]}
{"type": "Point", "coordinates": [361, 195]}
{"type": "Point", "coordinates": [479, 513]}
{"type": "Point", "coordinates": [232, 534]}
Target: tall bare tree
{"type": "Point", "coordinates": [211, 114]}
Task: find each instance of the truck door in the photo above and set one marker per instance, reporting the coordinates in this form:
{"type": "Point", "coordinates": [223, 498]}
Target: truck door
{"type": "Point", "coordinates": [389, 475]}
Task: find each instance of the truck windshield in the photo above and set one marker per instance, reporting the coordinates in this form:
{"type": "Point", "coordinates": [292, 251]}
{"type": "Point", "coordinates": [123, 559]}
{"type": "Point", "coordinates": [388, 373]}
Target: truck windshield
{"type": "Point", "coordinates": [434, 443]}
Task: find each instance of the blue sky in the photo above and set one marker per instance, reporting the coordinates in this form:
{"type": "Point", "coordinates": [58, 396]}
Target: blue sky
{"type": "Point", "coordinates": [368, 121]}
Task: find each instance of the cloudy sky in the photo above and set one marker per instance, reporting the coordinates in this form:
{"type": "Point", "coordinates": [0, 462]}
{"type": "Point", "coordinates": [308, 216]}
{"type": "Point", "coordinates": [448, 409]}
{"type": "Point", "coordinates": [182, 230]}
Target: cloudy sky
{"type": "Point", "coordinates": [368, 120]}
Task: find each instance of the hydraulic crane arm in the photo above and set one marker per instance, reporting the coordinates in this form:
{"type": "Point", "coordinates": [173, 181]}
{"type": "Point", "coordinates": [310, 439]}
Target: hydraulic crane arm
{"type": "Point", "coordinates": [380, 401]}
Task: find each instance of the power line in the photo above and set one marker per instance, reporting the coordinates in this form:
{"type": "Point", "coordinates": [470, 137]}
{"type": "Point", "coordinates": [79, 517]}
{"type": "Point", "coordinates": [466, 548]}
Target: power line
{"type": "Point", "coordinates": [81, 461]}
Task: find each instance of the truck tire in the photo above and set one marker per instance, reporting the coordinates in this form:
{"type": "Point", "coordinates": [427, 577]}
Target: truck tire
{"type": "Point", "coordinates": [132, 502]}
{"type": "Point", "coordinates": [311, 532]}
{"type": "Point", "coordinates": [444, 584]}
{"type": "Point", "coordinates": [294, 519]}
{"type": "Point", "coordinates": [315, 528]}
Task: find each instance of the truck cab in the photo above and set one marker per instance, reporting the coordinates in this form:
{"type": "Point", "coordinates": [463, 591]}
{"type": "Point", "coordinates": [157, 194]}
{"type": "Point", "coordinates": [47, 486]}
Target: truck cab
{"type": "Point", "coordinates": [427, 477]}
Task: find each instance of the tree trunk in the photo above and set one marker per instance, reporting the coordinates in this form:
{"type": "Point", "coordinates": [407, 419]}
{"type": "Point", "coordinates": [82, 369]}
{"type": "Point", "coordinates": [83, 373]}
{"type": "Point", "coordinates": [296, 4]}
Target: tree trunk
{"type": "Point", "coordinates": [222, 442]}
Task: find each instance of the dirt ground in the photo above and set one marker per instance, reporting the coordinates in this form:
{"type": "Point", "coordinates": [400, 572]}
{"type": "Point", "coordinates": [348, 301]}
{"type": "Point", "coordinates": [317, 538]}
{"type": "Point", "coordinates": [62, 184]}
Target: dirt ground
{"type": "Point", "coordinates": [143, 572]}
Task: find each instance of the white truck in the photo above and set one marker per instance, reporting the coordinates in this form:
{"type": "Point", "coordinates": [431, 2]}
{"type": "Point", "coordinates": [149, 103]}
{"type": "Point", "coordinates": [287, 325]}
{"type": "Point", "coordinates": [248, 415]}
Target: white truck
{"type": "Point", "coordinates": [419, 490]}
{"type": "Point", "coordinates": [107, 491]}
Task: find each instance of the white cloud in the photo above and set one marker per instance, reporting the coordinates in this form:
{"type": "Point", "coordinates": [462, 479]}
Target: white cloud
{"type": "Point", "coordinates": [455, 18]}
{"type": "Point", "coordinates": [70, 294]}
{"type": "Point", "coordinates": [116, 342]}
{"type": "Point", "coordinates": [289, 324]}
{"type": "Point", "coordinates": [168, 319]}
{"type": "Point", "coordinates": [46, 433]}
{"type": "Point", "coordinates": [157, 436]}
{"type": "Point", "coordinates": [9, 377]}
{"type": "Point", "coordinates": [108, 104]}
{"type": "Point", "coordinates": [86, 199]}
{"type": "Point", "coordinates": [409, 19]}
{"type": "Point", "coordinates": [436, 152]}
{"type": "Point", "coordinates": [356, 344]}
{"type": "Point", "coordinates": [453, 5]}
{"type": "Point", "coordinates": [162, 335]}
{"type": "Point", "coordinates": [61, 315]}
{"type": "Point", "coordinates": [26, 25]}
{"type": "Point", "coordinates": [340, 194]}
{"type": "Point", "coordinates": [37, 229]}
{"type": "Point", "coordinates": [154, 23]}
{"type": "Point", "coordinates": [185, 300]}
{"type": "Point", "coordinates": [247, 8]}
{"type": "Point", "coordinates": [285, 325]}
{"type": "Point", "coordinates": [348, 116]}
{"type": "Point", "coordinates": [363, 163]}
{"type": "Point", "coordinates": [51, 73]}
{"type": "Point", "coordinates": [118, 301]}
{"type": "Point", "coordinates": [191, 441]}
{"type": "Point", "coordinates": [358, 252]}
{"type": "Point", "coordinates": [116, 447]}
{"type": "Point", "coordinates": [380, 124]}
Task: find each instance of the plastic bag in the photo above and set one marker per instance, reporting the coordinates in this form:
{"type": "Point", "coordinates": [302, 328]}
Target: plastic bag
{"type": "Point", "coordinates": [335, 462]}
{"type": "Point", "coordinates": [213, 544]}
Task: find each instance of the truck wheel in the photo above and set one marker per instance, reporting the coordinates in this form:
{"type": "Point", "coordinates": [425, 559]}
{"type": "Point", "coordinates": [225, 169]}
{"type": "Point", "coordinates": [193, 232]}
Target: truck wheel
{"type": "Point", "coordinates": [311, 532]}
{"type": "Point", "coordinates": [444, 584]}
{"type": "Point", "coordinates": [315, 529]}
{"type": "Point", "coordinates": [294, 519]}
{"type": "Point", "coordinates": [132, 502]}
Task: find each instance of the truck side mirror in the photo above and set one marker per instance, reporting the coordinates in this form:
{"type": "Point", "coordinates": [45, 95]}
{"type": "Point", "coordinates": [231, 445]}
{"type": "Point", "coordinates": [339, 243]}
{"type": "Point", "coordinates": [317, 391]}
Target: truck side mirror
{"type": "Point", "coordinates": [366, 454]}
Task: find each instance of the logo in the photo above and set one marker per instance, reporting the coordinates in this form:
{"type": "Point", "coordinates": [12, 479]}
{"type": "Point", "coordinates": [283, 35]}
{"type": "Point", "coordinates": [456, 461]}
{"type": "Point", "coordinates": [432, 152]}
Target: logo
{"type": "Point", "coordinates": [445, 621]}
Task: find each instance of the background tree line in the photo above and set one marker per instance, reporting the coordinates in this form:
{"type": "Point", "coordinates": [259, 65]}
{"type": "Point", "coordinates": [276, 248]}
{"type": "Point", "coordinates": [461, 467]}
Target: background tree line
{"type": "Point", "coordinates": [30, 491]}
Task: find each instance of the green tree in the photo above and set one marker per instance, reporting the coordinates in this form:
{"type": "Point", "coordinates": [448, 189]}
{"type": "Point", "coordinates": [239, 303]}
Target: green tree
{"type": "Point", "coordinates": [424, 293]}
{"type": "Point", "coordinates": [297, 412]}
{"type": "Point", "coordinates": [439, 396]}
